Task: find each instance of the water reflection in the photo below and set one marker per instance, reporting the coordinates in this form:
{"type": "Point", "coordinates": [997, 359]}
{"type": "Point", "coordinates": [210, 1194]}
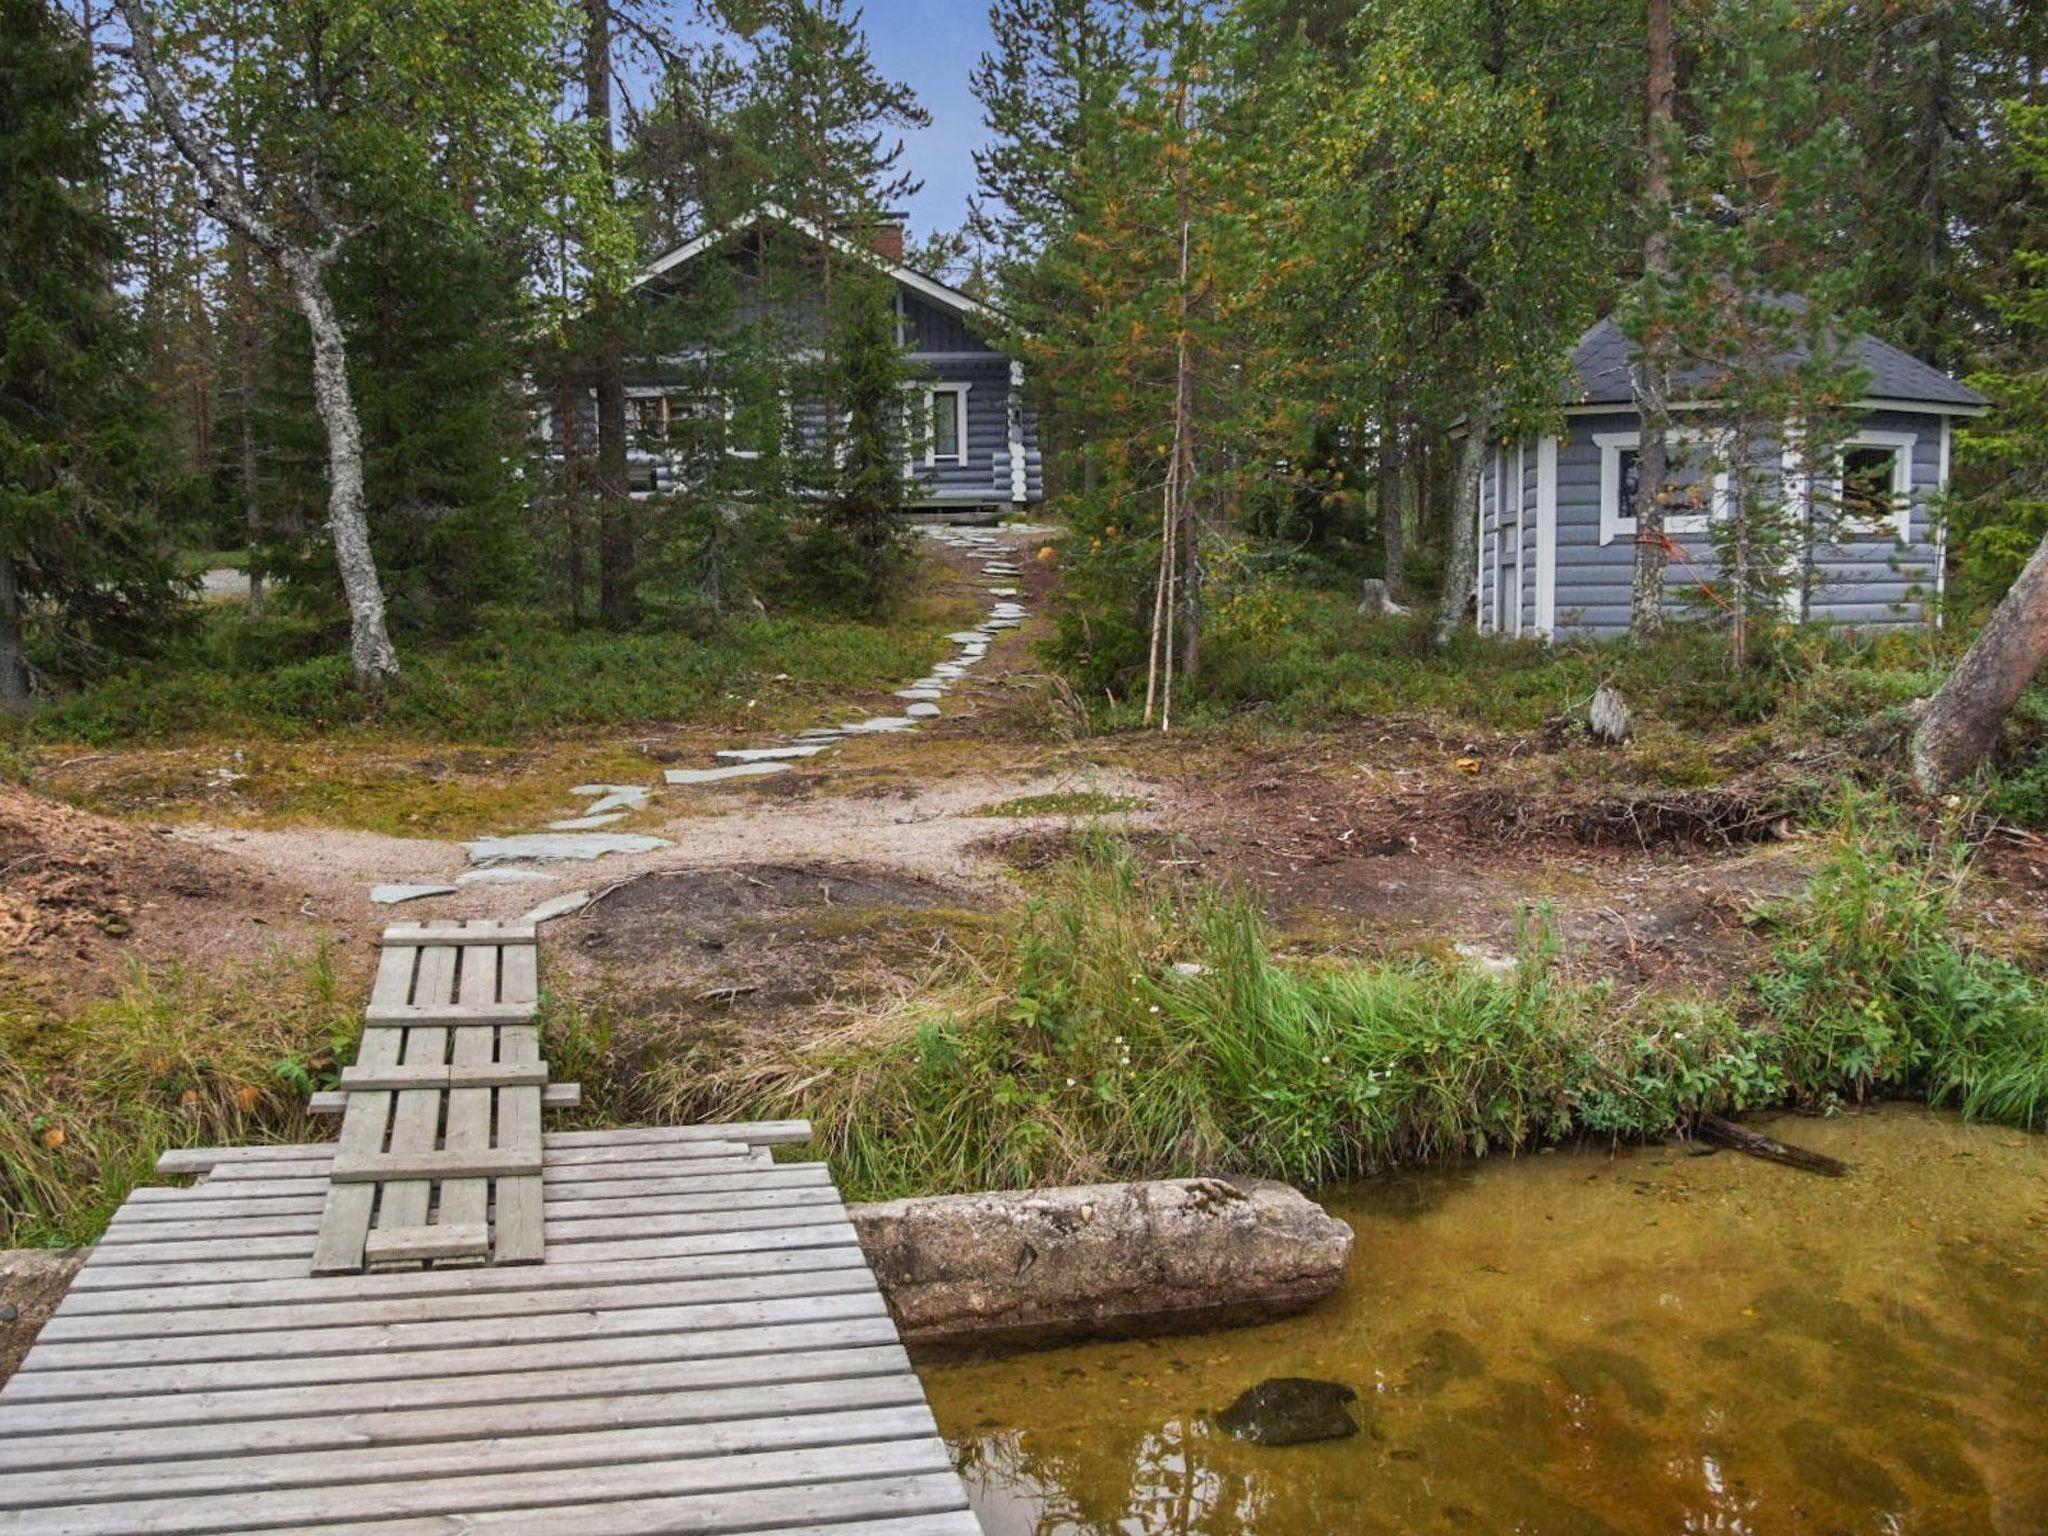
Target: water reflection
{"type": "Point", "coordinates": [1576, 1344]}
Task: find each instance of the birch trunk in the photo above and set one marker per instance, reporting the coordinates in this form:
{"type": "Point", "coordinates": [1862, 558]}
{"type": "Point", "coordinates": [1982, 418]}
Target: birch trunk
{"type": "Point", "coordinates": [348, 521]}
{"type": "Point", "coordinates": [1462, 545]}
{"type": "Point", "coordinates": [15, 695]}
{"type": "Point", "coordinates": [305, 272]}
{"type": "Point", "coordinates": [1962, 722]}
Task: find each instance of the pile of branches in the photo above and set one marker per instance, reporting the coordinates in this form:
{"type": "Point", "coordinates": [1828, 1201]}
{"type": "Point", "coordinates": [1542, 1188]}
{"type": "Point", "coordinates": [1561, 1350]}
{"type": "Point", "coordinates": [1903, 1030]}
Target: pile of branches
{"type": "Point", "coordinates": [1724, 816]}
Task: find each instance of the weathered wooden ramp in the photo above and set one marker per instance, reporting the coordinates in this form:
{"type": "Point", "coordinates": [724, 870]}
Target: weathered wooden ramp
{"type": "Point", "coordinates": [701, 1349]}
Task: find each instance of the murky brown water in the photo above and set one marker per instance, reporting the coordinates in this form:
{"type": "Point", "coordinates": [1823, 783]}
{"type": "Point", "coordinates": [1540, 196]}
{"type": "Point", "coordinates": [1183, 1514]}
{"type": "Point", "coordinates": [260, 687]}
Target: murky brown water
{"type": "Point", "coordinates": [1573, 1343]}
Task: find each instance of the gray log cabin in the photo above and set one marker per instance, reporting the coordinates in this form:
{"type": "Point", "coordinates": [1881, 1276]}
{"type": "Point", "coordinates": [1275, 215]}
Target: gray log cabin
{"type": "Point", "coordinates": [974, 450]}
{"type": "Point", "coordinates": [1557, 541]}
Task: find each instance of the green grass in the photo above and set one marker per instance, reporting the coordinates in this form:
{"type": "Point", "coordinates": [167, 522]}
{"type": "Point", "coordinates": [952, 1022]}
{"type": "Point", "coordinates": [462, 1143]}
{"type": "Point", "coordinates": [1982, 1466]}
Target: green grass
{"type": "Point", "coordinates": [177, 1058]}
{"type": "Point", "coordinates": [518, 678]}
{"type": "Point", "coordinates": [1297, 652]}
{"type": "Point", "coordinates": [1136, 1025]}
{"type": "Point", "coordinates": [1073, 802]}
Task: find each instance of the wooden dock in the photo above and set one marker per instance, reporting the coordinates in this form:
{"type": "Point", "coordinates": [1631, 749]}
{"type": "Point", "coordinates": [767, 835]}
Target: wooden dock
{"type": "Point", "coordinates": [701, 1348]}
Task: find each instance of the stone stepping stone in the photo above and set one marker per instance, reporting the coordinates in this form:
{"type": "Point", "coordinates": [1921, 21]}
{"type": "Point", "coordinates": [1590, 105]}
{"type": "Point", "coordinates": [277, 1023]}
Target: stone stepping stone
{"type": "Point", "coordinates": [719, 775]}
{"type": "Point", "coordinates": [963, 637]}
{"type": "Point", "coordinates": [767, 754]}
{"type": "Point", "coordinates": [822, 733]}
{"type": "Point", "coordinates": [925, 695]}
{"type": "Point", "coordinates": [558, 906]}
{"type": "Point", "coordinates": [392, 895]}
{"type": "Point", "coordinates": [922, 711]}
{"type": "Point", "coordinates": [586, 823]}
{"type": "Point", "coordinates": [614, 797]}
{"type": "Point", "coordinates": [1009, 610]}
{"type": "Point", "coordinates": [880, 725]}
{"type": "Point", "coordinates": [1002, 591]}
{"type": "Point", "coordinates": [949, 670]}
{"type": "Point", "coordinates": [547, 847]}
{"type": "Point", "coordinates": [499, 875]}
{"type": "Point", "coordinates": [1002, 623]}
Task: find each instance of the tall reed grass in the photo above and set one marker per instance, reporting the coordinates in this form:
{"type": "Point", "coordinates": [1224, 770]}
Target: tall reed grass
{"type": "Point", "coordinates": [179, 1057]}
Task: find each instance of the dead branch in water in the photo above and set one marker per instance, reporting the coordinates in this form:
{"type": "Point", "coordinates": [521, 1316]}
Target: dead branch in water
{"type": "Point", "coordinates": [1726, 1133]}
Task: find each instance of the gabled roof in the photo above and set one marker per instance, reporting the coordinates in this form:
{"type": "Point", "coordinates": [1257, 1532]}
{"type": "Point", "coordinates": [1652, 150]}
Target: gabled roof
{"type": "Point", "coordinates": [918, 282]}
{"type": "Point", "coordinates": [1602, 361]}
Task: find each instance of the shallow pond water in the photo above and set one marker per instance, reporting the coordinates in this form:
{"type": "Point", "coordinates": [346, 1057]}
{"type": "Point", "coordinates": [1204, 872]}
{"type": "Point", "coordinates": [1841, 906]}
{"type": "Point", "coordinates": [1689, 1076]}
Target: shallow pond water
{"type": "Point", "coordinates": [1576, 1343]}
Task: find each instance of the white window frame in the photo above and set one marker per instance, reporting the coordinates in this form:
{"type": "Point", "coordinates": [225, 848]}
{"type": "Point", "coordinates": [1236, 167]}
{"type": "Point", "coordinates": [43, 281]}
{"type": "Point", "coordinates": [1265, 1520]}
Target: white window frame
{"type": "Point", "coordinates": [1614, 523]}
{"type": "Point", "coordinates": [1901, 446]}
{"type": "Point", "coordinates": [932, 457]}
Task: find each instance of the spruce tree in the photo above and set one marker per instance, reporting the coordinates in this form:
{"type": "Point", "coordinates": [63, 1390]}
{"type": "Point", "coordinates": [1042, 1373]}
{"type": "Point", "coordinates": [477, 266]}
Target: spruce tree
{"type": "Point", "coordinates": [825, 127]}
{"type": "Point", "coordinates": [84, 565]}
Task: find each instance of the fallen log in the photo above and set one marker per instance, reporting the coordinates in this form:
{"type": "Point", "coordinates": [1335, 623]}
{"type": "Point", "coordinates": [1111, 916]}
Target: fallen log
{"type": "Point", "coordinates": [1726, 1133]}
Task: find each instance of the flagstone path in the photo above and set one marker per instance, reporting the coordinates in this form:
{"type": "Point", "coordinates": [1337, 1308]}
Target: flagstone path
{"type": "Point", "coordinates": [580, 836]}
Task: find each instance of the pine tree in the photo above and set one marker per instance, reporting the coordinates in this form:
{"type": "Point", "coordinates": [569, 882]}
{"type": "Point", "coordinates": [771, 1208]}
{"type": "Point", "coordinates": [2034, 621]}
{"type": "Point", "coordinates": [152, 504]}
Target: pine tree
{"type": "Point", "coordinates": [825, 129]}
{"type": "Point", "coordinates": [84, 566]}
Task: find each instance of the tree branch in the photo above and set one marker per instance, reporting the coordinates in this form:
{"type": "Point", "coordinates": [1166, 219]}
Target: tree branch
{"type": "Point", "coordinates": [223, 196]}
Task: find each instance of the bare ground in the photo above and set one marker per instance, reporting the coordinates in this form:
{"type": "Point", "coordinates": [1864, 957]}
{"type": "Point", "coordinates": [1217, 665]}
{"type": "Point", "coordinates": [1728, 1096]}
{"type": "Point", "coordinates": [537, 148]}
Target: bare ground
{"type": "Point", "coordinates": [861, 866]}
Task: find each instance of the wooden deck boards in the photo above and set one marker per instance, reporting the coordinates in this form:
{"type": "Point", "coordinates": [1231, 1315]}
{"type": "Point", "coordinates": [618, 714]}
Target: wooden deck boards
{"type": "Point", "coordinates": [703, 1349]}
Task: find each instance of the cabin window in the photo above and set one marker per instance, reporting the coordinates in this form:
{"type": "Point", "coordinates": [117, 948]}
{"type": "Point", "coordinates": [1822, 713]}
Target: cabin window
{"type": "Point", "coordinates": [945, 415]}
{"type": "Point", "coordinates": [1692, 499]}
{"type": "Point", "coordinates": [1874, 484]}
{"type": "Point", "coordinates": [647, 419]}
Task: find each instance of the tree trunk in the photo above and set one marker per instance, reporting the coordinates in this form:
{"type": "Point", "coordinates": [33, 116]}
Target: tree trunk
{"type": "Point", "coordinates": [1650, 379]}
{"type": "Point", "coordinates": [1962, 722]}
{"type": "Point", "coordinates": [1462, 546]}
{"type": "Point", "coordinates": [1393, 466]}
{"type": "Point", "coordinates": [15, 696]}
{"type": "Point", "coordinates": [245, 380]}
{"type": "Point", "coordinates": [347, 521]}
{"type": "Point", "coordinates": [568, 411]}
{"type": "Point", "coordinates": [304, 271]}
{"type": "Point", "coordinates": [616, 603]}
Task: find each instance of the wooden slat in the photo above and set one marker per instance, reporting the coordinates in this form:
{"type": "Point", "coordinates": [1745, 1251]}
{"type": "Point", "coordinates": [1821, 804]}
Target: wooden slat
{"type": "Point", "coordinates": [552, 1096]}
{"type": "Point", "coordinates": [466, 1202]}
{"type": "Point", "coordinates": [844, 1279]}
{"type": "Point", "coordinates": [400, 1169]}
{"type": "Point", "coordinates": [922, 1504]}
{"type": "Point", "coordinates": [520, 1236]}
{"type": "Point", "coordinates": [403, 1197]}
{"type": "Point", "coordinates": [285, 1350]}
{"type": "Point", "coordinates": [31, 1422]}
{"type": "Point", "coordinates": [346, 1221]}
{"type": "Point", "coordinates": [446, 1013]}
{"type": "Point", "coordinates": [885, 1381]}
{"type": "Point", "coordinates": [236, 1477]}
{"type": "Point", "coordinates": [460, 1074]}
{"type": "Point", "coordinates": [441, 1240]}
{"type": "Point", "coordinates": [213, 1290]}
{"type": "Point", "coordinates": [420, 1502]}
{"type": "Point", "coordinates": [473, 933]}
{"type": "Point", "coordinates": [754, 1327]}
{"type": "Point", "coordinates": [760, 1133]}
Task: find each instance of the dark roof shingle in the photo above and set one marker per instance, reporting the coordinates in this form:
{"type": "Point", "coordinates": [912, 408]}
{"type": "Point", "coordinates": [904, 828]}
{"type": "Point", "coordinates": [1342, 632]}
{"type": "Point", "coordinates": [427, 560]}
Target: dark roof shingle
{"type": "Point", "coordinates": [1603, 356]}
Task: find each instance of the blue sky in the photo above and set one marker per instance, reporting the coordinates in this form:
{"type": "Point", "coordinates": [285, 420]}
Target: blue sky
{"type": "Point", "coordinates": [930, 45]}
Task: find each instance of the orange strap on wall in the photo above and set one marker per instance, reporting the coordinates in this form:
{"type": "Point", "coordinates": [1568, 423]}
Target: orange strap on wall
{"type": "Point", "coordinates": [1664, 542]}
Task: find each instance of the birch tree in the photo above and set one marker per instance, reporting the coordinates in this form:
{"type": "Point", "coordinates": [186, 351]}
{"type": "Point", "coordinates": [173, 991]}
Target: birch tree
{"type": "Point", "coordinates": [354, 108]}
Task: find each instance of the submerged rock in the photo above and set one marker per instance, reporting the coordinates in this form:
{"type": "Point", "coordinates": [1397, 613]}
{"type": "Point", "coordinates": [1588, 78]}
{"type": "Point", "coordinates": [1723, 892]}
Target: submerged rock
{"type": "Point", "coordinates": [1103, 1259]}
{"type": "Point", "coordinates": [1291, 1410]}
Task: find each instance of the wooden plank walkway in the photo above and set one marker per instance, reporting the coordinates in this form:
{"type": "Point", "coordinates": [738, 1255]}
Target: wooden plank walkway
{"type": "Point", "coordinates": [440, 1148]}
{"type": "Point", "coordinates": [700, 1349]}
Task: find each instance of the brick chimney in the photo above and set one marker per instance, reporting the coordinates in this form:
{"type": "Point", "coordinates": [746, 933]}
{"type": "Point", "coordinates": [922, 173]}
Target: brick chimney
{"type": "Point", "coordinates": [888, 238]}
